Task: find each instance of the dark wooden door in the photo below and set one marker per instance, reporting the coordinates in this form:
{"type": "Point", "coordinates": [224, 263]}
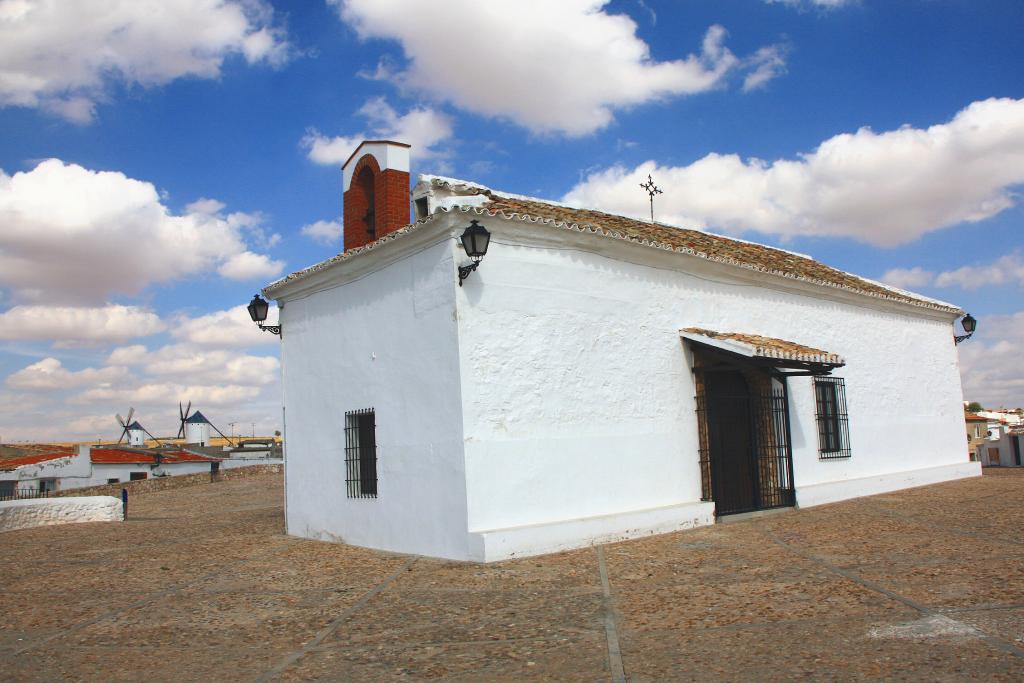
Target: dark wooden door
{"type": "Point", "coordinates": [731, 443]}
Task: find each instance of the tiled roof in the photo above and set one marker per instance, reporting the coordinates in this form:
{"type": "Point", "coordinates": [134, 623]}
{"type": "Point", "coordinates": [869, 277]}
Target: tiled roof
{"type": "Point", "coordinates": [705, 245]}
{"type": "Point", "coordinates": [971, 417]}
{"type": "Point", "coordinates": [768, 347]}
{"type": "Point", "coordinates": [757, 257]}
{"type": "Point", "coordinates": [112, 456]}
{"type": "Point", "coordinates": [31, 454]}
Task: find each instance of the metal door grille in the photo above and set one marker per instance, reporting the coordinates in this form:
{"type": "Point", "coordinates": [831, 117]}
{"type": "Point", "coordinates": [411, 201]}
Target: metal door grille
{"type": "Point", "coordinates": [361, 454]}
{"type": "Point", "coordinates": [833, 421]}
{"type": "Point", "coordinates": [759, 478]}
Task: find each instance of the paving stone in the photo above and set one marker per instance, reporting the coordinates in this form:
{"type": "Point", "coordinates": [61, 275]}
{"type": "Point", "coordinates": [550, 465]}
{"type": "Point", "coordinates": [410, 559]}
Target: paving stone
{"type": "Point", "coordinates": [203, 584]}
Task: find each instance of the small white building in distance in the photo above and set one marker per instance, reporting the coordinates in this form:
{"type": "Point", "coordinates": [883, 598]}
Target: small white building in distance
{"type": "Point", "coordinates": [595, 378]}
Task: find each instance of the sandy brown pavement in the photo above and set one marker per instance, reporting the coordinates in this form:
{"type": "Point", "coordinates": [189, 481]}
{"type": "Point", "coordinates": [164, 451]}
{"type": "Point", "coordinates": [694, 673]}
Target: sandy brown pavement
{"type": "Point", "coordinates": [201, 583]}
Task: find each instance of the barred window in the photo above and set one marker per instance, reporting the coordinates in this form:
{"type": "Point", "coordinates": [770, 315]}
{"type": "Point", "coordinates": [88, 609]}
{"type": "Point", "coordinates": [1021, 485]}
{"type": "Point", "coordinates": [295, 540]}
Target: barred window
{"type": "Point", "coordinates": [833, 424]}
{"type": "Point", "coordinates": [361, 454]}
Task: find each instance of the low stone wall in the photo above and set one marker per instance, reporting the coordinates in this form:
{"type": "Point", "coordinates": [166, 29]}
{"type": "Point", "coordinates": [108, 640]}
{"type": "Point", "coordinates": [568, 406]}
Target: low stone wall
{"type": "Point", "coordinates": [164, 483]}
{"type": "Point", "coordinates": [25, 514]}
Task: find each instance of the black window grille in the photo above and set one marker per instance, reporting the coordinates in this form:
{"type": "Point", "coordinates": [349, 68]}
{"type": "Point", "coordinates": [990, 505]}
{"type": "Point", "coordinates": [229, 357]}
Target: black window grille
{"type": "Point", "coordinates": [361, 454]}
{"type": "Point", "coordinates": [833, 421]}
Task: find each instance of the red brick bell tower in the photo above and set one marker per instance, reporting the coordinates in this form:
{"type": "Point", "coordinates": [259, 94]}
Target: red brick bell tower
{"type": "Point", "coordinates": [376, 191]}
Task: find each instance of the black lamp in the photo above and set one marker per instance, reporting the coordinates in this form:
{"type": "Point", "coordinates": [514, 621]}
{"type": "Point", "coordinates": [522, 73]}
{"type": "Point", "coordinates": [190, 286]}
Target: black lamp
{"type": "Point", "coordinates": [258, 309]}
{"type": "Point", "coordinates": [475, 240]}
{"type": "Point", "coordinates": [969, 324]}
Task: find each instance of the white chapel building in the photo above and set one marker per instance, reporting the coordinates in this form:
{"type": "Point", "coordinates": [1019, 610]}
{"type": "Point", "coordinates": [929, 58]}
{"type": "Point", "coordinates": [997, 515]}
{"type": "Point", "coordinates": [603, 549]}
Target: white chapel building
{"type": "Point", "coordinates": [595, 377]}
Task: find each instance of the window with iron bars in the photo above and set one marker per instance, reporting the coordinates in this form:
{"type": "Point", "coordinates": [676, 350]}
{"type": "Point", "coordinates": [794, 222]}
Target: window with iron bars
{"type": "Point", "coordinates": [833, 422]}
{"type": "Point", "coordinates": [361, 454]}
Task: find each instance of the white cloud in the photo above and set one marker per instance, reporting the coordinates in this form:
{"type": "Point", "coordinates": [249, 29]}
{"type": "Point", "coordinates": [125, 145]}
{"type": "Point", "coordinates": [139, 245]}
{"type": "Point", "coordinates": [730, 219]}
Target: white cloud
{"type": "Point", "coordinates": [72, 235]}
{"type": "Point", "coordinates": [549, 66]}
{"type": "Point", "coordinates": [1005, 270]}
{"type": "Point", "coordinates": [765, 64]}
{"type": "Point", "coordinates": [50, 375]}
{"type": "Point", "coordinates": [63, 56]}
{"type": "Point", "coordinates": [422, 127]}
{"type": "Point", "coordinates": [908, 278]}
{"type": "Point", "coordinates": [882, 188]}
{"type": "Point", "coordinates": [820, 4]}
{"type": "Point", "coordinates": [98, 425]}
{"type": "Point", "coordinates": [68, 324]}
{"type": "Point", "coordinates": [47, 401]}
{"type": "Point", "coordinates": [250, 266]}
{"type": "Point", "coordinates": [330, 150]}
{"type": "Point", "coordinates": [128, 355]}
{"type": "Point", "coordinates": [324, 232]}
{"type": "Point", "coordinates": [168, 394]}
{"type": "Point", "coordinates": [1008, 269]}
{"type": "Point", "coordinates": [990, 362]}
{"type": "Point", "coordinates": [232, 328]}
{"type": "Point", "coordinates": [189, 363]}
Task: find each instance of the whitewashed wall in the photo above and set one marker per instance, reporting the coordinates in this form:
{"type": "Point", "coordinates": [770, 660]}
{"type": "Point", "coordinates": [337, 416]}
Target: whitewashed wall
{"type": "Point", "coordinates": [100, 472]}
{"type": "Point", "coordinates": [26, 514]}
{"type": "Point", "coordinates": [385, 339]}
{"type": "Point", "coordinates": [549, 403]}
{"type": "Point", "coordinates": [578, 394]}
{"type": "Point", "coordinates": [68, 468]}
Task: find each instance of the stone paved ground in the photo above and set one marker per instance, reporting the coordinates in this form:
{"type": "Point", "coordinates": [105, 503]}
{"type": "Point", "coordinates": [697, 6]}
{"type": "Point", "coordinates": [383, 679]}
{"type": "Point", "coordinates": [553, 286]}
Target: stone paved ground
{"type": "Point", "coordinates": [202, 584]}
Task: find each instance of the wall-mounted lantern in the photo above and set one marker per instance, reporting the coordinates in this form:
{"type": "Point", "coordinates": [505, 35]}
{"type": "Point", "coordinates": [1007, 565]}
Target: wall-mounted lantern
{"type": "Point", "coordinates": [258, 309]}
{"type": "Point", "coordinates": [969, 325]}
{"type": "Point", "coordinates": [475, 240]}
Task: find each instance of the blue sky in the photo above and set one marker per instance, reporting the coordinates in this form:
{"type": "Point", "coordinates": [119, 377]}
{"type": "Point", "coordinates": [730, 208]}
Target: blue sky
{"type": "Point", "coordinates": [159, 168]}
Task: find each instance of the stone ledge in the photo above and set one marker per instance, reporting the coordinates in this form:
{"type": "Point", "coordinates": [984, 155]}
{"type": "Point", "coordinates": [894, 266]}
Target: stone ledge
{"type": "Point", "coordinates": [26, 514]}
{"type": "Point", "coordinates": [172, 482]}
{"type": "Point", "coordinates": [835, 491]}
{"type": "Point", "coordinates": [492, 545]}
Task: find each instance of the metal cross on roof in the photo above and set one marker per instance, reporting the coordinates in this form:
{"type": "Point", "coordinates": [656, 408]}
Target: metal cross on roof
{"type": "Point", "coordinates": [652, 190]}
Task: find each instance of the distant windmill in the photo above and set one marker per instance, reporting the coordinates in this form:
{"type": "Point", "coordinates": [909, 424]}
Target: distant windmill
{"type": "Point", "coordinates": [195, 428]}
{"type": "Point", "coordinates": [133, 430]}
{"type": "Point", "coordinates": [183, 415]}
{"type": "Point", "coordinates": [124, 423]}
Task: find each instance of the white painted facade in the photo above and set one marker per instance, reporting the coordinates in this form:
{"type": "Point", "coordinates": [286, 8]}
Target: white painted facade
{"type": "Point", "coordinates": [1003, 448]}
{"type": "Point", "coordinates": [549, 402]}
{"type": "Point", "coordinates": [73, 467]}
{"type": "Point", "coordinates": [1008, 417]}
{"type": "Point", "coordinates": [78, 471]}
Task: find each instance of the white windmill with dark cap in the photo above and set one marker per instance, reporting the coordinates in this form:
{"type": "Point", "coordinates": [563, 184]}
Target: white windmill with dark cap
{"type": "Point", "coordinates": [196, 429]}
{"type": "Point", "coordinates": [132, 430]}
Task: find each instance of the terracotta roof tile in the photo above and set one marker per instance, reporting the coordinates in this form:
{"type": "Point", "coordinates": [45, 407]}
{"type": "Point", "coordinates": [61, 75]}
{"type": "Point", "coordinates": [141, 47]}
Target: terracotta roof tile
{"type": "Point", "coordinates": [697, 243]}
{"type": "Point", "coordinates": [770, 347]}
{"type": "Point", "coordinates": [110, 456]}
{"type": "Point", "coordinates": [31, 454]}
{"type": "Point", "coordinates": [709, 246]}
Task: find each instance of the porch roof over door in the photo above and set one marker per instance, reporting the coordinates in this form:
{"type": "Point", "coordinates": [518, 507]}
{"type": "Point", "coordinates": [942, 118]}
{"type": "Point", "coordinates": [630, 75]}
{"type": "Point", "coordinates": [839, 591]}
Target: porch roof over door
{"type": "Point", "coordinates": [779, 352]}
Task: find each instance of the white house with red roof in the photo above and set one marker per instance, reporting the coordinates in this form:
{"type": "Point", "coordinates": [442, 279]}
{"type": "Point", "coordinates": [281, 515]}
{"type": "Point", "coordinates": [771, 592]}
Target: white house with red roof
{"type": "Point", "coordinates": [591, 378]}
{"type": "Point", "coordinates": [27, 470]}
{"type": "Point", "coordinates": [40, 468]}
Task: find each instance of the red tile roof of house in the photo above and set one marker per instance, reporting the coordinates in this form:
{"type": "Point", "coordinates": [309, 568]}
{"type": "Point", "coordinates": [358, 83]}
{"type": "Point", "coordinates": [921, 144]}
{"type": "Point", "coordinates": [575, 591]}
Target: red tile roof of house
{"type": "Point", "coordinates": [972, 417]}
{"type": "Point", "coordinates": [31, 454]}
{"type": "Point", "coordinates": [114, 456]}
